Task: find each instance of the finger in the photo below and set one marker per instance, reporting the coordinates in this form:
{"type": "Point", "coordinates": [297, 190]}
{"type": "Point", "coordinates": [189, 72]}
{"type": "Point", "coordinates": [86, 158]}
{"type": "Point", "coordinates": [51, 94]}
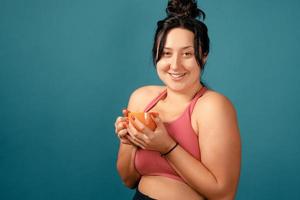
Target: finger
{"type": "Point", "coordinates": [121, 124]}
{"type": "Point", "coordinates": [117, 121]}
{"type": "Point", "coordinates": [136, 135]}
{"type": "Point", "coordinates": [157, 120]}
{"type": "Point", "coordinates": [125, 112]}
{"type": "Point", "coordinates": [154, 114]}
{"type": "Point", "coordinates": [119, 127]}
{"type": "Point", "coordinates": [143, 137]}
{"type": "Point", "coordinates": [122, 133]}
{"type": "Point", "coordinates": [142, 127]}
{"type": "Point", "coordinates": [148, 118]}
{"type": "Point", "coordinates": [136, 141]}
{"type": "Point", "coordinates": [121, 119]}
{"type": "Point", "coordinates": [125, 141]}
{"type": "Point", "coordinates": [132, 130]}
{"type": "Point", "coordinates": [127, 138]}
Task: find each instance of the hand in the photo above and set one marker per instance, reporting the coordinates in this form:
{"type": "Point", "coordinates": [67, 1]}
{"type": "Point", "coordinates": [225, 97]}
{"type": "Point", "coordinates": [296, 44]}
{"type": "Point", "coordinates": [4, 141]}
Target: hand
{"type": "Point", "coordinates": [121, 125]}
{"type": "Point", "coordinates": [157, 140]}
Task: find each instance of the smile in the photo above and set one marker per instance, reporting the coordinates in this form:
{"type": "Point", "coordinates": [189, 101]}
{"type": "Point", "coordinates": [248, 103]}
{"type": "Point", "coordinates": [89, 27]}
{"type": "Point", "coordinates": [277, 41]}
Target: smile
{"type": "Point", "coordinates": [176, 76]}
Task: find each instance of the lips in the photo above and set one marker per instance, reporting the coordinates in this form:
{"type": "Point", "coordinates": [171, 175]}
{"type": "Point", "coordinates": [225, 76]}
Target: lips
{"type": "Point", "coordinates": [177, 76]}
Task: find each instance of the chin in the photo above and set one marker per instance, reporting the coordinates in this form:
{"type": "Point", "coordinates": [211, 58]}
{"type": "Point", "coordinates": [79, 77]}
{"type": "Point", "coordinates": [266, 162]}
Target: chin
{"type": "Point", "coordinates": [177, 88]}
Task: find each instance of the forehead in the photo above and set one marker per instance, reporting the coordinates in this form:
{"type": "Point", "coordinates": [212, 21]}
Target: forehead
{"type": "Point", "coordinates": [179, 37]}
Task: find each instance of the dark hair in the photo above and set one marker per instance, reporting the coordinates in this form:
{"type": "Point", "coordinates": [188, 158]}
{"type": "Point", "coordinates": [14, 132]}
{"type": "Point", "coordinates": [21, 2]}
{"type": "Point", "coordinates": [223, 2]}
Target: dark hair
{"type": "Point", "coordinates": [182, 14]}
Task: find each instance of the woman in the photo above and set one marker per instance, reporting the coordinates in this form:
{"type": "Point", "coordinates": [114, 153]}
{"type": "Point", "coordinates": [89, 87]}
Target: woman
{"type": "Point", "coordinates": [195, 151]}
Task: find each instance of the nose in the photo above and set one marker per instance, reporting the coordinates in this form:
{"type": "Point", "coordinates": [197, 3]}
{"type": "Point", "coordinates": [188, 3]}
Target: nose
{"type": "Point", "coordinates": [175, 62]}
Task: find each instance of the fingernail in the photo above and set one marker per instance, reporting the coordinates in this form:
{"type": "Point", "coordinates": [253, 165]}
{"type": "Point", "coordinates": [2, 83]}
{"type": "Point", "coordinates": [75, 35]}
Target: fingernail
{"type": "Point", "coordinates": [125, 112]}
{"type": "Point", "coordinates": [155, 114]}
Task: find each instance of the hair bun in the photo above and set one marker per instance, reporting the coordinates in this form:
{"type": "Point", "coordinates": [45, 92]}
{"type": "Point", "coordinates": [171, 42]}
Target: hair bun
{"type": "Point", "coordinates": [184, 8]}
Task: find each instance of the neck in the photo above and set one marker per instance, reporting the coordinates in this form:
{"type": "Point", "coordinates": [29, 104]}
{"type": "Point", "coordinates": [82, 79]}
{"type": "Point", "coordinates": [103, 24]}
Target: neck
{"type": "Point", "coordinates": [173, 96]}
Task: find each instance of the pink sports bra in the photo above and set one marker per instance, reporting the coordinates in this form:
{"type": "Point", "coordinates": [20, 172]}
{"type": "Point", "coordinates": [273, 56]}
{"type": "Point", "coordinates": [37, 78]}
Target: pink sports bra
{"type": "Point", "coordinates": [150, 162]}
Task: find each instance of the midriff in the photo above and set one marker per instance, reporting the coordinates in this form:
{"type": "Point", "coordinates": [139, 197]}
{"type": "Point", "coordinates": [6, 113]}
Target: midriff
{"type": "Point", "coordinates": [163, 188]}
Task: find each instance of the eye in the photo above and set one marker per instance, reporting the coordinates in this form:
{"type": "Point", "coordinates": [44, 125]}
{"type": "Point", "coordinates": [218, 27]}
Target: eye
{"type": "Point", "coordinates": [187, 54]}
{"type": "Point", "coordinates": [166, 53]}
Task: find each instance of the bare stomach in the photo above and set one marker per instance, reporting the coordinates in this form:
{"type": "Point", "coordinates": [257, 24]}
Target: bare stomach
{"type": "Point", "coordinates": [159, 187]}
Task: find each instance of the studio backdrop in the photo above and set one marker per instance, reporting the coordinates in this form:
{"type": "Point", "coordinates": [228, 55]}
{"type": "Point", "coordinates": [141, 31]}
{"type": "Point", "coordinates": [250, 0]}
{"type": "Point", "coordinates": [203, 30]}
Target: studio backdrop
{"type": "Point", "coordinates": [67, 68]}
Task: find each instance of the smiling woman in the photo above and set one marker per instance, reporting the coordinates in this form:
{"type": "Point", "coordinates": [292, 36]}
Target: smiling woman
{"type": "Point", "coordinates": [177, 67]}
{"type": "Point", "coordinates": [194, 152]}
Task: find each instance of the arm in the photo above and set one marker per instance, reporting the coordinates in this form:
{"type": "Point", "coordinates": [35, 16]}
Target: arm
{"type": "Point", "coordinates": [216, 176]}
{"type": "Point", "coordinates": [127, 150]}
{"type": "Point", "coordinates": [125, 165]}
{"type": "Point", "coordinates": [126, 155]}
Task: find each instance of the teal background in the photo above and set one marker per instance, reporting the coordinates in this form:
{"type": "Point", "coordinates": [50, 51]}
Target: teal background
{"type": "Point", "coordinates": [67, 68]}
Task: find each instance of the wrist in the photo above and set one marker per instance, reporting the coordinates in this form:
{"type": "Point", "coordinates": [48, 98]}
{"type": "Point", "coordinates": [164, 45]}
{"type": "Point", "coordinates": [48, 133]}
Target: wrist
{"type": "Point", "coordinates": [170, 149]}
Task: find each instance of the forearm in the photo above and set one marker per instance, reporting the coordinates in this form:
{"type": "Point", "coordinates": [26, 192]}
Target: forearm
{"type": "Point", "coordinates": [125, 165]}
{"type": "Point", "coordinates": [195, 173]}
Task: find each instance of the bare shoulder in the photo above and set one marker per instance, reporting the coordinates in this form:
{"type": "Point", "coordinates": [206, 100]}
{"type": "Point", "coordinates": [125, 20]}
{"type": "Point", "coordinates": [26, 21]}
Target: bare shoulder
{"type": "Point", "coordinates": [214, 103]}
{"type": "Point", "coordinates": [140, 97]}
{"type": "Point", "coordinates": [214, 110]}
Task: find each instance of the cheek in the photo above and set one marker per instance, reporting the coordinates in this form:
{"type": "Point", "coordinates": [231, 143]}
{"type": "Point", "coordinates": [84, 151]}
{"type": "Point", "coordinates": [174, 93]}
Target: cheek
{"type": "Point", "coordinates": [162, 65]}
{"type": "Point", "coordinates": [191, 63]}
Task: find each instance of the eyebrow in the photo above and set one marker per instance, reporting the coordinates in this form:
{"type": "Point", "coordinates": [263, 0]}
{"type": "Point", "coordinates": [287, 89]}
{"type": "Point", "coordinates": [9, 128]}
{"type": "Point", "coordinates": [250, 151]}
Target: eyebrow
{"type": "Point", "coordinates": [168, 48]}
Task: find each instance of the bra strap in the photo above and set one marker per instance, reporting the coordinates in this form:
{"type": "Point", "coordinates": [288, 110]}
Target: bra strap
{"type": "Point", "coordinates": [155, 100]}
{"type": "Point", "coordinates": [197, 96]}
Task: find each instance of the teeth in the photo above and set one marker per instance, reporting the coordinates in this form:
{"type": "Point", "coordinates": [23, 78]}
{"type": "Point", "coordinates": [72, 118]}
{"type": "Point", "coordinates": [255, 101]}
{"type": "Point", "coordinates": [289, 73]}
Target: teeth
{"type": "Point", "coordinates": [177, 75]}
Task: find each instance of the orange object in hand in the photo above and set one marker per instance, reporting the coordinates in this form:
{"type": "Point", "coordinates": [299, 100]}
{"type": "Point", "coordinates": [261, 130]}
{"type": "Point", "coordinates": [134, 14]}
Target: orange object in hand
{"type": "Point", "coordinates": [144, 117]}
